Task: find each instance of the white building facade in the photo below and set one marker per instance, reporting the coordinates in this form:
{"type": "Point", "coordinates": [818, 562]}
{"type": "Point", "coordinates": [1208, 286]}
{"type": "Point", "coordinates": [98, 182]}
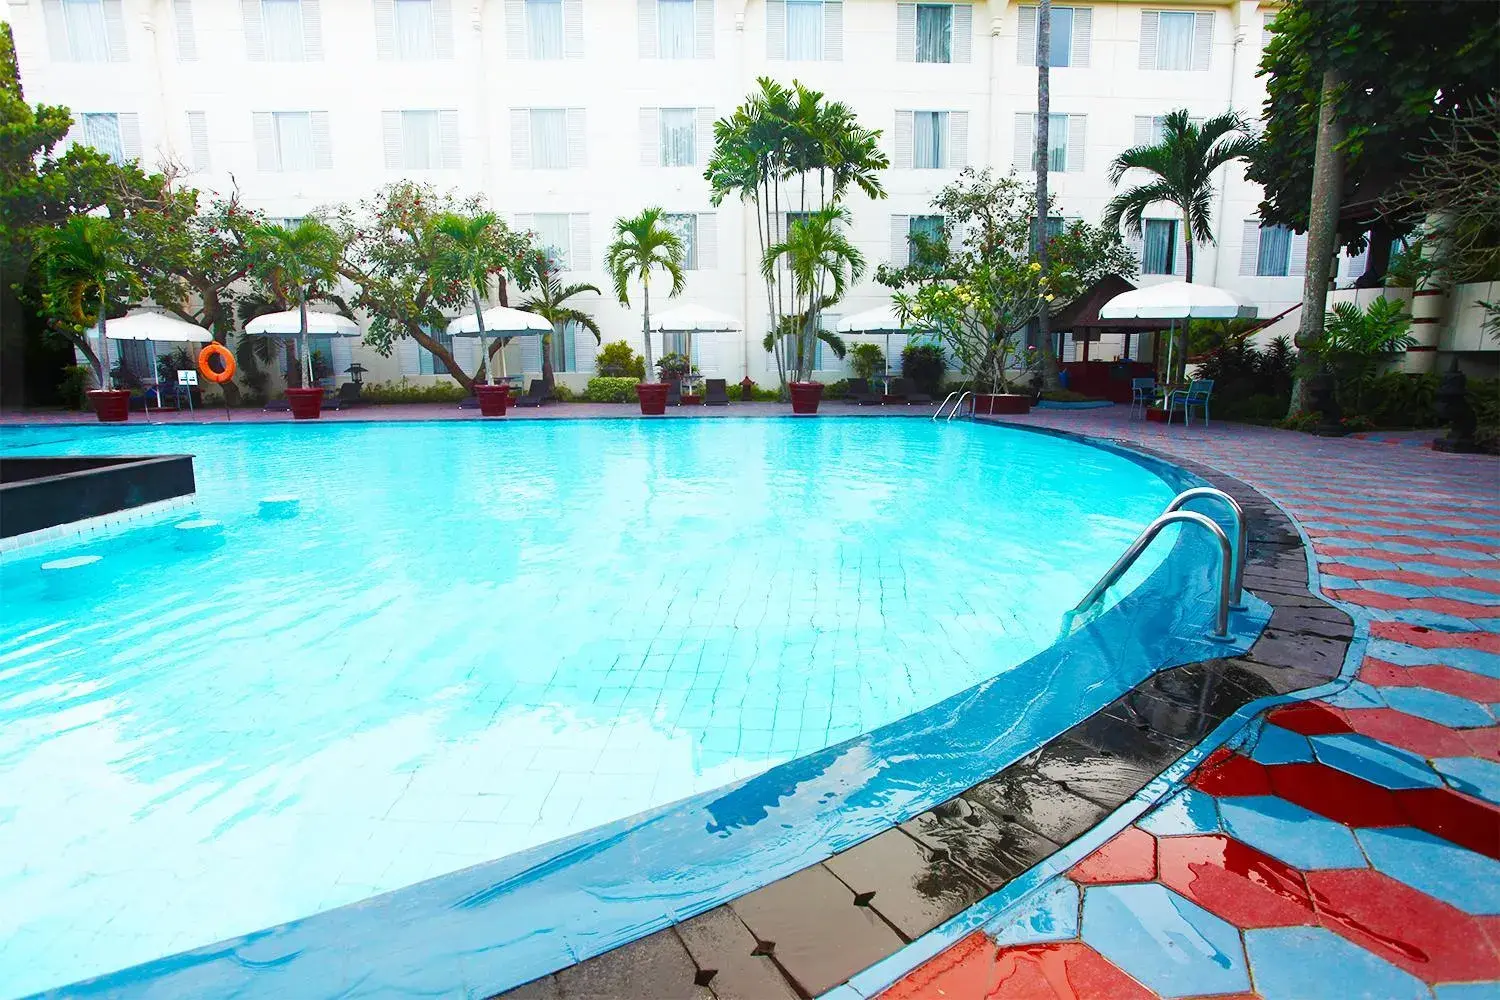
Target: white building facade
{"type": "Point", "coordinates": [568, 114]}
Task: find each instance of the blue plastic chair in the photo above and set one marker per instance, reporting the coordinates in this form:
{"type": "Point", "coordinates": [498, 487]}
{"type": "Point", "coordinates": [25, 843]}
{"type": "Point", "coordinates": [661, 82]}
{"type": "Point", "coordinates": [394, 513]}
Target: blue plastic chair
{"type": "Point", "coordinates": [1142, 394]}
{"type": "Point", "coordinates": [1197, 394]}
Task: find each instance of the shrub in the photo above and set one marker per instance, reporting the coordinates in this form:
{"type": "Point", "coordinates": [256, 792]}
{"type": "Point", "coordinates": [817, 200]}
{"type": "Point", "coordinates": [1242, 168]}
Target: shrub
{"type": "Point", "coordinates": [77, 380]}
{"type": "Point", "coordinates": [836, 390]}
{"type": "Point", "coordinates": [611, 389]}
{"type": "Point", "coordinates": [757, 395]}
{"type": "Point", "coordinates": [617, 360]}
{"type": "Point", "coordinates": [673, 366]}
{"type": "Point", "coordinates": [867, 360]}
{"type": "Point", "coordinates": [563, 394]}
{"type": "Point", "coordinates": [406, 392]}
{"type": "Point", "coordinates": [1068, 396]}
{"type": "Point", "coordinates": [1484, 397]}
{"type": "Point", "coordinates": [926, 366]}
{"type": "Point", "coordinates": [1396, 399]}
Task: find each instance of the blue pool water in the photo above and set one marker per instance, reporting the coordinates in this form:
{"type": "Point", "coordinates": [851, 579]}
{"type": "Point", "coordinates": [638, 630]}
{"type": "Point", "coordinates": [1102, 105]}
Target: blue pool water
{"type": "Point", "coordinates": [478, 638]}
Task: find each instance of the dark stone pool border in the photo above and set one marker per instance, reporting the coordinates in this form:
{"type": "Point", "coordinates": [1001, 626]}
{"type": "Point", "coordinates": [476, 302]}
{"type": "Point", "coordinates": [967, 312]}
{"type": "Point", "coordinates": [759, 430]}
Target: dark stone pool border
{"type": "Point", "coordinates": [41, 492]}
{"type": "Point", "coordinates": [810, 931]}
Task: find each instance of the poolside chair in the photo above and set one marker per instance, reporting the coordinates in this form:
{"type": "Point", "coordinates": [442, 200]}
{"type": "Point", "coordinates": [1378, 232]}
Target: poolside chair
{"type": "Point", "coordinates": [1196, 394]}
{"type": "Point", "coordinates": [348, 395]}
{"type": "Point", "coordinates": [859, 391]}
{"type": "Point", "coordinates": [536, 394]}
{"type": "Point", "coordinates": [1142, 394]}
{"type": "Point", "coordinates": [905, 387]}
{"type": "Point", "coordinates": [896, 388]}
{"type": "Point", "coordinates": [674, 393]}
{"type": "Point", "coordinates": [715, 392]}
{"type": "Point", "coordinates": [277, 405]}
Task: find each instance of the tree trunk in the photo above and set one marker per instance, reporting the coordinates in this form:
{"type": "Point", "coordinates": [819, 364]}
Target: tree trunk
{"type": "Point", "coordinates": [1322, 226]}
{"type": "Point", "coordinates": [484, 344]}
{"type": "Point", "coordinates": [1051, 377]}
{"type": "Point", "coordinates": [444, 355]}
{"type": "Point", "coordinates": [548, 375]}
{"type": "Point", "coordinates": [307, 372]}
{"type": "Point", "coordinates": [1188, 244]}
{"type": "Point", "coordinates": [103, 360]}
{"type": "Point", "coordinates": [646, 326]}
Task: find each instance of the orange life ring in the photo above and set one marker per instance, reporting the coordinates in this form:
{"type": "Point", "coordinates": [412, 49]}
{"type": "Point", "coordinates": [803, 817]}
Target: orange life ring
{"type": "Point", "coordinates": [216, 350]}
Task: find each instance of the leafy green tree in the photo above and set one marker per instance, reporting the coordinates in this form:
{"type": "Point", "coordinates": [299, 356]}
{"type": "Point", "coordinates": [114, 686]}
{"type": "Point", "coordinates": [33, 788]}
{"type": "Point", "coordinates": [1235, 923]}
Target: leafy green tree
{"type": "Point", "coordinates": [473, 254]}
{"type": "Point", "coordinates": [85, 274]}
{"type": "Point", "coordinates": [297, 264]}
{"type": "Point", "coordinates": [822, 263]}
{"type": "Point", "coordinates": [644, 244]}
{"type": "Point", "coordinates": [550, 301]}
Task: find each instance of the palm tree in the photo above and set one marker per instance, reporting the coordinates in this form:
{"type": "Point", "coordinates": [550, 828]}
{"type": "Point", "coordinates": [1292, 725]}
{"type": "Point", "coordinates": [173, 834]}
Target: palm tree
{"type": "Point", "coordinates": [550, 303]}
{"type": "Point", "coordinates": [822, 263]}
{"type": "Point", "coordinates": [83, 269]}
{"type": "Point", "coordinates": [642, 245]}
{"type": "Point", "coordinates": [473, 253]}
{"type": "Point", "coordinates": [296, 264]}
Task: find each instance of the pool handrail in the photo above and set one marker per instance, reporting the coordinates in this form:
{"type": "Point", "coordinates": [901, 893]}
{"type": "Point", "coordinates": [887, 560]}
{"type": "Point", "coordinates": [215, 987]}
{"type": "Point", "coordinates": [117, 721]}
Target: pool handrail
{"type": "Point", "coordinates": [1241, 533]}
{"type": "Point", "coordinates": [965, 394]}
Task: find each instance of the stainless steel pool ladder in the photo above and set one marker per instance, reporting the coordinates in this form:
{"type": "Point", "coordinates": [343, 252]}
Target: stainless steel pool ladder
{"type": "Point", "coordinates": [957, 406]}
{"type": "Point", "coordinates": [1231, 559]}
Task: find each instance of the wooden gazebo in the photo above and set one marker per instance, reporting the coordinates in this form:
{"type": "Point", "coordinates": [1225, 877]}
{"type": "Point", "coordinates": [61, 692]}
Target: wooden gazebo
{"type": "Point", "coordinates": [1104, 379]}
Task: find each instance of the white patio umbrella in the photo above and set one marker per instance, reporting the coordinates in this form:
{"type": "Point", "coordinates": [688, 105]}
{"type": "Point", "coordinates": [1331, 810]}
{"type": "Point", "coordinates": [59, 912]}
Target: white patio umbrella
{"type": "Point", "coordinates": [880, 321]}
{"type": "Point", "coordinates": [691, 319]}
{"type": "Point", "coordinates": [289, 324]}
{"type": "Point", "coordinates": [152, 325]}
{"type": "Point", "coordinates": [502, 321]}
{"type": "Point", "coordinates": [1174, 300]}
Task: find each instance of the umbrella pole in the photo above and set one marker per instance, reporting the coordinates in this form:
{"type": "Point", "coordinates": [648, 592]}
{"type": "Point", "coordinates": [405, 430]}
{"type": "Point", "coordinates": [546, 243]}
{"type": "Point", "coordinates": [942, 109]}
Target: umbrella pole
{"type": "Point", "coordinates": [503, 373]}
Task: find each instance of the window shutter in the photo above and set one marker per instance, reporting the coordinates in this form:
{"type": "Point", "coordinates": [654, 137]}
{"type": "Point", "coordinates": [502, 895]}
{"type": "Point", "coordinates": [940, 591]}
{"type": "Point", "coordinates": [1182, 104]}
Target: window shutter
{"type": "Point", "coordinates": [520, 138]}
{"type": "Point", "coordinates": [1083, 36]}
{"type": "Point", "coordinates": [1077, 129]}
{"type": "Point", "coordinates": [255, 32]}
{"type": "Point", "coordinates": [1298, 264]}
{"type": "Point", "coordinates": [1179, 252]}
{"type": "Point", "coordinates": [578, 236]}
{"type": "Point", "coordinates": [525, 222]}
{"type": "Point", "coordinates": [1142, 130]}
{"type": "Point", "coordinates": [442, 28]}
{"type": "Point", "coordinates": [708, 241]}
{"type": "Point", "coordinates": [703, 137]}
{"type": "Point", "coordinates": [963, 33]}
{"type": "Point", "coordinates": [187, 38]}
{"type": "Point", "coordinates": [573, 29]}
{"type": "Point", "coordinates": [57, 31]}
{"type": "Point", "coordinates": [410, 356]}
{"type": "Point", "coordinates": [129, 124]}
{"type": "Point", "coordinates": [1150, 22]}
{"type": "Point", "coordinates": [385, 29]}
{"type": "Point", "coordinates": [833, 30]}
{"type": "Point", "coordinates": [958, 139]}
{"type": "Point", "coordinates": [775, 29]}
{"type": "Point", "coordinates": [341, 356]}
{"type": "Point", "coordinates": [906, 32]}
{"type": "Point", "coordinates": [1025, 154]}
{"type": "Point", "coordinates": [114, 30]}
{"type": "Point", "coordinates": [197, 122]}
{"type": "Point", "coordinates": [1026, 37]}
{"type": "Point", "coordinates": [577, 125]}
{"type": "Point", "coordinates": [312, 30]}
{"type": "Point", "coordinates": [1250, 247]}
{"type": "Point", "coordinates": [1358, 263]}
{"type": "Point", "coordinates": [1137, 245]}
{"type": "Point", "coordinates": [650, 137]}
{"type": "Point", "coordinates": [531, 354]}
{"type": "Point", "coordinates": [645, 29]}
{"type": "Point", "coordinates": [449, 155]}
{"type": "Point", "coordinates": [703, 24]}
{"type": "Point", "coordinates": [322, 141]}
{"type": "Point", "coordinates": [1203, 39]}
{"type": "Point", "coordinates": [900, 240]}
{"type": "Point", "coordinates": [395, 153]}
{"type": "Point", "coordinates": [515, 29]}
{"type": "Point", "coordinates": [265, 141]}
{"type": "Point", "coordinates": [903, 138]}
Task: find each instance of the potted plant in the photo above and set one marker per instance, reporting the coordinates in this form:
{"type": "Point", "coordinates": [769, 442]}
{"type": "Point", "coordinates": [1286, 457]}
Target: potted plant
{"type": "Point", "coordinates": [673, 368]}
{"type": "Point", "coordinates": [644, 244]}
{"type": "Point", "coordinates": [295, 264]}
{"type": "Point", "coordinates": [821, 263]}
{"type": "Point", "coordinates": [473, 251]}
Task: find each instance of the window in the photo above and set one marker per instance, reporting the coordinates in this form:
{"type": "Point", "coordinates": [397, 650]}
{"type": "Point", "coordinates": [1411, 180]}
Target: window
{"type": "Point", "coordinates": [676, 26]}
{"type": "Point", "coordinates": [416, 35]}
{"type": "Point", "coordinates": [549, 139]}
{"type": "Point", "coordinates": [1055, 226]}
{"type": "Point", "coordinates": [565, 346]}
{"type": "Point", "coordinates": [1174, 44]}
{"type": "Point", "coordinates": [420, 144]}
{"type": "Point", "coordinates": [429, 363]}
{"type": "Point", "coordinates": [554, 234]}
{"type": "Point", "coordinates": [1275, 251]}
{"type": "Point", "coordinates": [928, 228]}
{"type": "Point", "coordinates": [1071, 36]}
{"type": "Point", "coordinates": [934, 33]}
{"type": "Point", "coordinates": [1057, 143]}
{"type": "Point", "coordinates": [674, 342]}
{"type": "Point", "coordinates": [678, 126]}
{"type": "Point", "coordinates": [283, 30]}
{"type": "Point", "coordinates": [685, 225]}
{"type": "Point", "coordinates": [102, 131]}
{"type": "Point", "coordinates": [1061, 51]}
{"type": "Point", "coordinates": [1158, 253]}
{"type": "Point", "coordinates": [197, 122]}
{"type": "Point", "coordinates": [544, 29]}
{"type": "Point", "coordinates": [804, 29]}
{"type": "Point", "coordinates": [929, 140]}
{"type": "Point", "coordinates": [1176, 39]}
{"type": "Point", "coordinates": [187, 37]}
{"type": "Point", "coordinates": [1065, 142]}
{"type": "Point", "coordinates": [80, 31]}
{"type": "Point", "coordinates": [293, 135]}
{"type": "Point", "coordinates": [319, 348]}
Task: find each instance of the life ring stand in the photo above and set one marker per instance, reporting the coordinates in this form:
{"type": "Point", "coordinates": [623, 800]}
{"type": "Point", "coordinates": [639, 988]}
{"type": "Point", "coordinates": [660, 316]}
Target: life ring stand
{"type": "Point", "coordinates": [216, 350]}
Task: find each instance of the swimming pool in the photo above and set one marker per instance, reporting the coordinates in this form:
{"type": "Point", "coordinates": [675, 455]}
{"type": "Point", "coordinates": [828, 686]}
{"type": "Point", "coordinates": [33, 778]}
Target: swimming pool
{"type": "Point", "coordinates": [475, 639]}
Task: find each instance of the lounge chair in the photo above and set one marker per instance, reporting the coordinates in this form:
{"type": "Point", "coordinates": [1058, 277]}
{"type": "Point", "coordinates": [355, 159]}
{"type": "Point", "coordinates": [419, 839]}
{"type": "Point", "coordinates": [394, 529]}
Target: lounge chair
{"type": "Point", "coordinates": [896, 389]}
{"type": "Point", "coordinates": [905, 387]}
{"type": "Point", "coordinates": [277, 405]}
{"type": "Point", "coordinates": [859, 392]}
{"type": "Point", "coordinates": [536, 394]}
{"type": "Point", "coordinates": [348, 395]}
{"type": "Point", "coordinates": [469, 403]}
{"type": "Point", "coordinates": [674, 393]}
{"type": "Point", "coordinates": [715, 392]}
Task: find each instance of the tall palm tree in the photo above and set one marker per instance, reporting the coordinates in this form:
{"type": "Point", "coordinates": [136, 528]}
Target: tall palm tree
{"type": "Point", "coordinates": [550, 303]}
{"type": "Point", "coordinates": [297, 264]}
{"type": "Point", "coordinates": [473, 253]}
{"type": "Point", "coordinates": [83, 269]}
{"type": "Point", "coordinates": [822, 263]}
{"type": "Point", "coordinates": [644, 244]}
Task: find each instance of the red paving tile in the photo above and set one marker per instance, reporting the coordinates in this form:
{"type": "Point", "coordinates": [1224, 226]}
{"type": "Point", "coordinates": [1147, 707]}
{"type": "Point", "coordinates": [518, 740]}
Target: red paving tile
{"type": "Point", "coordinates": [1436, 677]}
{"type": "Point", "coordinates": [1421, 736]}
{"type": "Point", "coordinates": [1239, 883]}
{"type": "Point", "coordinates": [1129, 857]}
{"type": "Point", "coordinates": [1413, 541]}
{"type": "Point", "coordinates": [1431, 638]}
{"type": "Point", "coordinates": [975, 969]}
{"type": "Point", "coordinates": [1454, 816]}
{"type": "Point", "coordinates": [1483, 742]}
{"type": "Point", "coordinates": [1406, 576]}
{"type": "Point", "coordinates": [1431, 558]}
{"type": "Point", "coordinates": [1390, 602]}
{"type": "Point", "coordinates": [1310, 718]}
{"type": "Point", "coordinates": [1232, 775]}
{"type": "Point", "coordinates": [1339, 796]}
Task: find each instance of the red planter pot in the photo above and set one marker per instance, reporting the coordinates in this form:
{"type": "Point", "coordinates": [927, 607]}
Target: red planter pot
{"type": "Point", "coordinates": [306, 404]}
{"type": "Point", "coordinates": [653, 397]}
{"type": "Point", "coordinates": [111, 406]}
{"type": "Point", "coordinates": [1001, 403]}
{"type": "Point", "coordinates": [493, 399]}
{"type": "Point", "coordinates": [1156, 415]}
{"type": "Point", "coordinates": [806, 396]}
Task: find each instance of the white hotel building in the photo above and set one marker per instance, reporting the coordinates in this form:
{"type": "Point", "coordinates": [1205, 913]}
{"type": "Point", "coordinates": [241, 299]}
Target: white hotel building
{"type": "Point", "coordinates": [567, 114]}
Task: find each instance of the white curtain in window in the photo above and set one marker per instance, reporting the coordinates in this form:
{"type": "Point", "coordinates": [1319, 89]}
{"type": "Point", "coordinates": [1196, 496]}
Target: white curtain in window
{"type": "Point", "coordinates": [414, 30]}
{"type": "Point", "coordinates": [1174, 44]}
{"type": "Point", "coordinates": [1275, 251]}
{"type": "Point", "coordinates": [549, 139]}
{"type": "Point", "coordinates": [1057, 143]}
{"type": "Point", "coordinates": [283, 29]}
{"type": "Point", "coordinates": [1160, 236]}
{"type": "Point", "coordinates": [544, 28]}
{"type": "Point", "coordinates": [419, 139]}
{"type": "Point", "coordinates": [685, 225]}
{"type": "Point", "coordinates": [804, 29]}
{"type": "Point", "coordinates": [676, 25]}
{"type": "Point", "coordinates": [929, 141]}
{"type": "Point", "coordinates": [294, 140]}
{"type": "Point", "coordinates": [552, 230]}
{"type": "Point", "coordinates": [934, 33]}
{"type": "Point", "coordinates": [102, 131]}
{"type": "Point", "coordinates": [88, 39]}
{"type": "Point", "coordinates": [677, 129]}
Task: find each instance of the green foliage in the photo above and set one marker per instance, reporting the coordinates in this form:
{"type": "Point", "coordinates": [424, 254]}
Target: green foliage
{"type": "Point", "coordinates": [1304, 421]}
{"type": "Point", "coordinates": [1207, 335]}
{"type": "Point", "coordinates": [866, 359]}
{"type": "Point", "coordinates": [926, 366]}
{"type": "Point", "coordinates": [821, 262]}
{"type": "Point", "coordinates": [758, 394]}
{"type": "Point", "coordinates": [1398, 399]}
{"type": "Point", "coordinates": [1067, 396]}
{"type": "Point", "coordinates": [1249, 384]}
{"type": "Point", "coordinates": [1484, 397]}
{"type": "Point", "coordinates": [617, 360]}
{"type": "Point", "coordinates": [85, 275]}
{"type": "Point", "coordinates": [77, 380]}
{"type": "Point", "coordinates": [642, 245]}
{"type": "Point", "coordinates": [563, 394]}
{"type": "Point", "coordinates": [673, 366]}
{"type": "Point", "coordinates": [551, 303]}
{"type": "Point", "coordinates": [407, 392]}
{"type": "Point", "coordinates": [1358, 343]}
{"type": "Point", "coordinates": [610, 389]}
{"type": "Point", "coordinates": [1411, 266]}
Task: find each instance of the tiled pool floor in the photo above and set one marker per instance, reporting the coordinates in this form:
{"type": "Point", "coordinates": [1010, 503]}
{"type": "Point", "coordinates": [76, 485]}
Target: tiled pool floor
{"type": "Point", "coordinates": [1349, 848]}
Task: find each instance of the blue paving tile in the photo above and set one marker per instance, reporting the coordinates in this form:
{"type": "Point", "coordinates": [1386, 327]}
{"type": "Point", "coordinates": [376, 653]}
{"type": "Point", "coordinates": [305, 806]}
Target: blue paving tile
{"type": "Point", "coordinates": [1460, 593]}
{"type": "Point", "coordinates": [1475, 661]}
{"type": "Point", "coordinates": [1443, 870]}
{"type": "Point", "coordinates": [1357, 695]}
{"type": "Point", "coordinates": [1275, 745]}
{"type": "Point", "coordinates": [1310, 963]}
{"type": "Point", "coordinates": [1474, 775]}
{"type": "Point", "coordinates": [1467, 991]}
{"type": "Point", "coordinates": [1330, 582]}
{"type": "Point", "coordinates": [1396, 588]}
{"type": "Point", "coordinates": [1189, 811]}
{"type": "Point", "coordinates": [1444, 709]}
{"type": "Point", "coordinates": [1287, 831]}
{"type": "Point", "coordinates": [1363, 562]}
{"type": "Point", "coordinates": [1166, 942]}
{"type": "Point", "coordinates": [1363, 757]}
{"type": "Point", "coordinates": [1049, 914]}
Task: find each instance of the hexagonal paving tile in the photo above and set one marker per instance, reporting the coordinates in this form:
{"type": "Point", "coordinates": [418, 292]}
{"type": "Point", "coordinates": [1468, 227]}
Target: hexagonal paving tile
{"type": "Point", "coordinates": [1310, 963]}
{"type": "Point", "coordinates": [1375, 762]}
{"type": "Point", "coordinates": [1235, 881]}
{"type": "Point", "coordinates": [1130, 856]}
{"type": "Point", "coordinates": [1339, 796]}
{"type": "Point", "coordinates": [1290, 833]}
{"type": "Point", "coordinates": [1441, 869]}
{"type": "Point", "coordinates": [1473, 775]}
{"type": "Point", "coordinates": [1170, 944]}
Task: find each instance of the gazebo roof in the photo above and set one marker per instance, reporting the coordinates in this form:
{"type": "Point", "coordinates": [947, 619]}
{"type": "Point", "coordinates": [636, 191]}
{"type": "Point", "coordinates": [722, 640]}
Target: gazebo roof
{"type": "Point", "coordinates": [1083, 312]}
